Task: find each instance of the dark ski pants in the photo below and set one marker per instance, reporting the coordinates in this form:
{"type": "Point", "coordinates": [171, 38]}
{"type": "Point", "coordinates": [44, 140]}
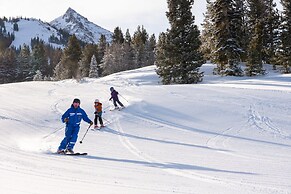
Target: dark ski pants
{"type": "Point", "coordinates": [70, 139]}
{"type": "Point", "coordinates": [115, 104]}
{"type": "Point", "coordinates": [98, 117]}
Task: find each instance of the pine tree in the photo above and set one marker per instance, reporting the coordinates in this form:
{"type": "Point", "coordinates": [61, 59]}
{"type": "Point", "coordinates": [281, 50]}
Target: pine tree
{"type": "Point", "coordinates": [284, 54]}
{"type": "Point", "coordinates": [117, 36]}
{"type": "Point", "coordinates": [39, 59]}
{"type": "Point", "coordinates": [127, 38]}
{"type": "Point", "coordinates": [150, 48]}
{"type": "Point", "coordinates": [179, 46]}
{"type": "Point", "coordinates": [8, 71]}
{"type": "Point", "coordinates": [207, 34]}
{"type": "Point", "coordinates": [102, 44]}
{"type": "Point", "coordinates": [94, 69]}
{"type": "Point", "coordinates": [86, 57]}
{"type": "Point", "coordinates": [256, 16]}
{"type": "Point", "coordinates": [271, 31]}
{"type": "Point", "coordinates": [227, 20]}
{"type": "Point", "coordinates": [24, 62]}
{"type": "Point", "coordinates": [70, 60]}
{"type": "Point", "coordinates": [163, 62]}
{"type": "Point", "coordinates": [139, 40]}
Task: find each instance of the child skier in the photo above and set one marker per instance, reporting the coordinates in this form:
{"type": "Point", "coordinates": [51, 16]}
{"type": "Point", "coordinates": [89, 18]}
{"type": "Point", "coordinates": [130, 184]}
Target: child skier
{"type": "Point", "coordinates": [98, 114]}
{"type": "Point", "coordinates": [114, 97]}
{"type": "Point", "coordinates": [72, 117]}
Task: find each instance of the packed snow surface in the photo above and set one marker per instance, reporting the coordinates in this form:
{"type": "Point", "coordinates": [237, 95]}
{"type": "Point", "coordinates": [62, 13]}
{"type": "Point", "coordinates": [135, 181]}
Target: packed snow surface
{"type": "Point", "coordinates": [225, 135]}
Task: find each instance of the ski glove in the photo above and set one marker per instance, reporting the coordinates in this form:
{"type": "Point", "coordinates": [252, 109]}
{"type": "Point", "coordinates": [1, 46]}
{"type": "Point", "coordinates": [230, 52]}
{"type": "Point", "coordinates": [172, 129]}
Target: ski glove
{"type": "Point", "coordinates": [91, 123]}
{"type": "Point", "coordinates": [66, 120]}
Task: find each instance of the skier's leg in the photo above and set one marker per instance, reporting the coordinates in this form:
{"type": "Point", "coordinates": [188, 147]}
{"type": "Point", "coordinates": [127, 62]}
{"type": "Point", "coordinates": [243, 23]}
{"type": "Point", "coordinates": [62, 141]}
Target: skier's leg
{"type": "Point", "coordinates": [95, 119]}
{"type": "Point", "coordinates": [114, 103]}
{"type": "Point", "coordinates": [73, 138]}
{"type": "Point", "coordinates": [100, 120]}
{"type": "Point", "coordinates": [66, 140]}
{"type": "Point", "coordinates": [119, 103]}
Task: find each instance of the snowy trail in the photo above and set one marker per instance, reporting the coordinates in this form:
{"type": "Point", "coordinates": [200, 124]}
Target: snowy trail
{"type": "Point", "coordinates": [208, 138]}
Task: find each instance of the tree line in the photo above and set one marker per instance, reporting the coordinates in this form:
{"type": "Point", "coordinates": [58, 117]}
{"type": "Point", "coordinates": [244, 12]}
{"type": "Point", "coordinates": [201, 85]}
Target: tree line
{"type": "Point", "coordinates": [39, 61]}
{"type": "Point", "coordinates": [253, 32]}
{"type": "Point", "coordinates": [250, 31]}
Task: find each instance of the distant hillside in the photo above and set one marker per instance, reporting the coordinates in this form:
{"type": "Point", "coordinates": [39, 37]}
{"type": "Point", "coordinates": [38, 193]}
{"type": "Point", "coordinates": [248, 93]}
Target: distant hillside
{"type": "Point", "coordinates": [55, 33]}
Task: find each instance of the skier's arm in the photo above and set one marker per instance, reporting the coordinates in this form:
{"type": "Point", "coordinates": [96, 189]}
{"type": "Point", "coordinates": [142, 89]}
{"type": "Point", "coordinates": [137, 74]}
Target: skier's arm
{"type": "Point", "coordinates": [65, 116]}
{"type": "Point", "coordinates": [86, 118]}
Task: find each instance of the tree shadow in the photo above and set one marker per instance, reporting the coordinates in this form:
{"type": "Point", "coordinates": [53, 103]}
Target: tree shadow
{"type": "Point", "coordinates": [175, 166]}
{"type": "Point", "coordinates": [110, 130]}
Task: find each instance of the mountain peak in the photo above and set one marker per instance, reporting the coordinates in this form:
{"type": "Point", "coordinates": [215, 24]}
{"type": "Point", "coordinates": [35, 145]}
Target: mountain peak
{"type": "Point", "coordinates": [70, 10]}
{"type": "Point", "coordinates": [74, 23]}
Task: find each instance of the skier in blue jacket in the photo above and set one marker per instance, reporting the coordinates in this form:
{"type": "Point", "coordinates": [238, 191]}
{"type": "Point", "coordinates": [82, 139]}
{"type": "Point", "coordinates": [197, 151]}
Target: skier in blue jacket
{"type": "Point", "coordinates": [72, 117]}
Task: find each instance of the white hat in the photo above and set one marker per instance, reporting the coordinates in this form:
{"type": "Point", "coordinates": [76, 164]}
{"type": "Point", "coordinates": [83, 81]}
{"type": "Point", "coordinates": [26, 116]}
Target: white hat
{"type": "Point", "coordinates": [96, 100]}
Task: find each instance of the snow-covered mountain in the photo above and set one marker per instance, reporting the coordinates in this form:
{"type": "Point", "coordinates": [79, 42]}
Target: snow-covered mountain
{"type": "Point", "coordinates": [71, 22]}
{"type": "Point", "coordinates": [74, 23]}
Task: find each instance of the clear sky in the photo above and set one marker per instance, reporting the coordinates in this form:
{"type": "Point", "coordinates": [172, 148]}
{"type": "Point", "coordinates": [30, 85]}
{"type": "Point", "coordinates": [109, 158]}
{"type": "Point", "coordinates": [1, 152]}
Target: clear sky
{"type": "Point", "coordinates": [127, 14]}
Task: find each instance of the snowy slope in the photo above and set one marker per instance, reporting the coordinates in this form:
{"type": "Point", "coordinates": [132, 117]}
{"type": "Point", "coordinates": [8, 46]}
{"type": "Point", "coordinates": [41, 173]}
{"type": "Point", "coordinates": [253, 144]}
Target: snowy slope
{"type": "Point", "coordinates": [31, 28]}
{"type": "Point", "coordinates": [224, 136]}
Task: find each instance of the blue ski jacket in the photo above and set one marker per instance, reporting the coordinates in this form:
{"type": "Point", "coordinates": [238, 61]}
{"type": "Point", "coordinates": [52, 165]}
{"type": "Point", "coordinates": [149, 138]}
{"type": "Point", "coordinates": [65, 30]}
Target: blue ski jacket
{"type": "Point", "coordinates": [75, 115]}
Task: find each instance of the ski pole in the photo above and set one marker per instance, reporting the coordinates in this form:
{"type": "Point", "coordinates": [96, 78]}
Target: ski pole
{"type": "Point", "coordinates": [85, 133]}
{"type": "Point", "coordinates": [53, 132]}
{"type": "Point", "coordinates": [123, 97]}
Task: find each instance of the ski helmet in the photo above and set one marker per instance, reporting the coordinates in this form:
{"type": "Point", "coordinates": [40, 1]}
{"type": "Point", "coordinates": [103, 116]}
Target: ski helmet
{"type": "Point", "coordinates": [96, 100]}
{"type": "Point", "coordinates": [111, 89]}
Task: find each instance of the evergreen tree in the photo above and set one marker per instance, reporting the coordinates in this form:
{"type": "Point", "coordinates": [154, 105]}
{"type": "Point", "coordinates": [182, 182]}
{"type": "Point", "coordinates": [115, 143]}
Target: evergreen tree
{"type": "Point", "coordinates": [163, 62]}
{"type": "Point", "coordinates": [70, 60]}
{"type": "Point", "coordinates": [256, 16]}
{"type": "Point", "coordinates": [8, 61]}
{"type": "Point", "coordinates": [127, 38]}
{"type": "Point", "coordinates": [102, 44]}
{"type": "Point", "coordinates": [180, 45]}
{"type": "Point", "coordinates": [284, 53]}
{"type": "Point", "coordinates": [207, 35]}
{"type": "Point", "coordinates": [60, 72]}
{"type": "Point", "coordinates": [24, 62]}
{"type": "Point", "coordinates": [112, 62]}
{"type": "Point", "coordinates": [87, 53]}
{"type": "Point", "coordinates": [117, 58]}
{"type": "Point", "coordinates": [94, 69]}
{"type": "Point", "coordinates": [150, 49]}
{"type": "Point", "coordinates": [117, 36]}
{"type": "Point", "coordinates": [271, 32]}
{"type": "Point", "coordinates": [227, 21]}
{"type": "Point", "coordinates": [39, 59]}
{"type": "Point", "coordinates": [139, 40]}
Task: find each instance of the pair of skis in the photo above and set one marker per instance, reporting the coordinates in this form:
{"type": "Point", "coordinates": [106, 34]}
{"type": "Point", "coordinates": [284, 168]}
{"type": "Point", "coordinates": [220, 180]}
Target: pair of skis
{"type": "Point", "coordinates": [118, 108]}
{"type": "Point", "coordinates": [74, 154]}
